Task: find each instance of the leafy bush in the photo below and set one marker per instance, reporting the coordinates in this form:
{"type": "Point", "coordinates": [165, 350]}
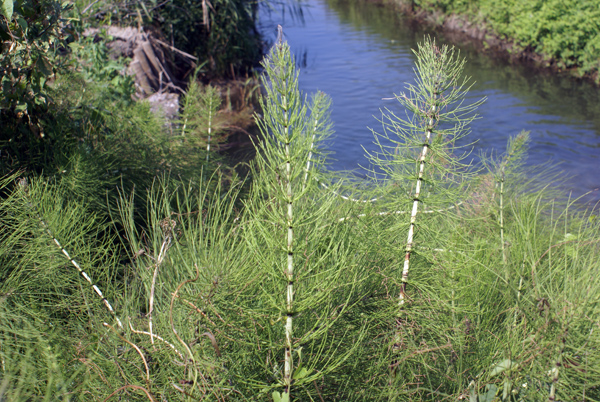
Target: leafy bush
{"type": "Point", "coordinates": [566, 31]}
{"type": "Point", "coordinates": [221, 33]}
{"type": "Point", "coordinates": [91, 57]}
{"type": "Point", "coordinates": [31, 33]}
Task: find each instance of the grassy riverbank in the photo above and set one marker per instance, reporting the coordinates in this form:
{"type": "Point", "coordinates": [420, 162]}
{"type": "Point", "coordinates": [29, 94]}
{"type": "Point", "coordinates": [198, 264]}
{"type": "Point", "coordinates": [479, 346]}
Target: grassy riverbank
{"type": "Point", "coordinates": [560, 35]}
{"type": "Point", "coordinates": [434, 281]}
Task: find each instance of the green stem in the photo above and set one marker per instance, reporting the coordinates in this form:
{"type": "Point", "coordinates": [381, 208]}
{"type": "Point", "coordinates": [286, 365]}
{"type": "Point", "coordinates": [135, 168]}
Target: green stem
{"type": "Point", "coordinates": [415, 208]}
{"type": "Point", "coordinates": [288, 366]}
{"type": "Point", "coordinates": [502, 220]}
{"type": "Point", "coordinates": [25, 188]}
{"type": "Point", "coordinates": [210, 113]}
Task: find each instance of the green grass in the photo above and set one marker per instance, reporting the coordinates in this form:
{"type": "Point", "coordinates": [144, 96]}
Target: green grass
{"type": "Point", "coordinates": [290, 291]}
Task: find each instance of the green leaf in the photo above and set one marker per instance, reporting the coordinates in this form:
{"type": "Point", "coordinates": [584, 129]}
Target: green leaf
{"type": "Point", "coordinates": [502, 367]}
{"type": "Point", "coordinates": [300, 373]}
{"type": "Point", "coordinates": [7, 8]}
{"type": "Point", "coordinates": [571, 244]}
{"type": "Point", "coordinates": [490, 395]}
{"type": "Point", "coordinates": [75, 46]}
{"type": "Point", "coordinates": [506, 390]}
{"type": "Point", "coordinates": [39, 100]}
{"type": "Point", "coordinates": [278, 397]}
{"type": "Point", "coordinates": [473, 396]}
{"type": "Point", "coordinates": [44, 66]}
{"type": "Point", "coordinates": [22, 23]}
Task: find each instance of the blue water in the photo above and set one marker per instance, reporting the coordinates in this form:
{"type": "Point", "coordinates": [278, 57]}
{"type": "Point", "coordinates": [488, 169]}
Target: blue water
{"type": "Point", "coordinates": [360, 54]}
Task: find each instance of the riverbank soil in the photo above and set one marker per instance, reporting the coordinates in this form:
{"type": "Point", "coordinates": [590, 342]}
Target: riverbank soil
{"type": "Point", "coordinates": [553, 37]}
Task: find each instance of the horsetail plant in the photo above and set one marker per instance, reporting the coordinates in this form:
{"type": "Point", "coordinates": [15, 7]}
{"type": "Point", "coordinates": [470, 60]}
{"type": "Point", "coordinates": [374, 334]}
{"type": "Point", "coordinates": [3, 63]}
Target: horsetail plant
{"type": "Point", "coordinates": [287, 293]}
{"type": "Point", "coordinates": [24, 187]}
{"type": "Point", "coordinates": [285, 122]}
{"type": "Point", "coordinates": [211, 101]}
{"type": "Point", "coordinates": [510, 163]}
{"type": "Point", "coordinates": [307, 278]}
{"type": "Point", "coordinates": [436, 119]}
{"type": "Point", "coordinates": [199, 110]}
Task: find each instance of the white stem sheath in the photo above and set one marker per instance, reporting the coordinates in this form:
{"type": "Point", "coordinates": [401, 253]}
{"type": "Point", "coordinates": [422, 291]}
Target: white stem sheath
{"type": "Point", "coordinates": [209, 127]}
{"type": "Point", "coordinates": [415, 210]}
{"type": "Point", "coordinates": [71, 260]}
{"type": "Point", "coordinates": [289, 271]}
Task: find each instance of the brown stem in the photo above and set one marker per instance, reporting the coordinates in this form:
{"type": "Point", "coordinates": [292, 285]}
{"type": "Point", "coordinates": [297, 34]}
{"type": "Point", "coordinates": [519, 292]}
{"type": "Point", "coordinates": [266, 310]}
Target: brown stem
{"type": "Point", "coordinates": [144, 390]}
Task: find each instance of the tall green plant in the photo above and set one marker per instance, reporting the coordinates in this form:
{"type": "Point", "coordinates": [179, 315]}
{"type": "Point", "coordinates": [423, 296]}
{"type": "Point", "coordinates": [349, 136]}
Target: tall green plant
{"type": "Point", "coordinates": [306, 273]}
{"type": "Point", "coordinates": [293, 294]}
{"type": "Point", "coordinates": [198, 117]}
{"type": "Point", "coordinates": [424, 144]}
{"type": "Point", "coordinates": [180, 264]}
{"type": "Point", "coordinates": [49, 304]}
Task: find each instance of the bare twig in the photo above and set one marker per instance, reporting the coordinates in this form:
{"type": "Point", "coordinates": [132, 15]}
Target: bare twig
{"type": "Point", "coordinates": [167, 226]}
{"type": "Point", "coordinates": [85, 10]}
{"type": "Point", "coordinates": [144, 390]}
{"type": "Point", "coordinates": [157, 337]}
{"type": "Point", "coordinates": [189, 56]}
{"type": "Point", "coordinates": [135, 347]}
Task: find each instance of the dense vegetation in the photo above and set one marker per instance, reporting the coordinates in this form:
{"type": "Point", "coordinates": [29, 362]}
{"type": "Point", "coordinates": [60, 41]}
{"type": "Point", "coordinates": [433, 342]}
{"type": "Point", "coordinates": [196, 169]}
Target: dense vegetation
{"type": "Point", "coordinates": [435, 280]}
{"type": "Point", "coordinates": [565, 31]}
{"type": "Point", "coordinates": [221, 33]}
{"type": "Point", "coordinates": [68, 109]}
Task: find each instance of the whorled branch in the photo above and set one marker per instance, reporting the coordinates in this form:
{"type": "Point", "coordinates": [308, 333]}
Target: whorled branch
{"type": "Point", "coordinates": [24, 186]}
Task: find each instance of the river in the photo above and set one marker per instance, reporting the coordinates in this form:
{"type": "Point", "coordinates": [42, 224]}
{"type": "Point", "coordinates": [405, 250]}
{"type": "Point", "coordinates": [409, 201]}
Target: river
{"type": "Point", "coordinates": [360, 53]}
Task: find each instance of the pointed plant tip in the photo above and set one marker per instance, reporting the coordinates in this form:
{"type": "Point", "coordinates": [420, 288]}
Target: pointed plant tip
{"type": "Point", "coordinates": [279, 35]}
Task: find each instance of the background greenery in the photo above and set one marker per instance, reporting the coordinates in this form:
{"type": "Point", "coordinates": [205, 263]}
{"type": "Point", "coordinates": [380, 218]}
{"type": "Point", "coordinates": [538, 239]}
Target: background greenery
{"type": "Point", "coordinates": [566, 31]}
{"type": "Point", "coordinates": [220, 33]}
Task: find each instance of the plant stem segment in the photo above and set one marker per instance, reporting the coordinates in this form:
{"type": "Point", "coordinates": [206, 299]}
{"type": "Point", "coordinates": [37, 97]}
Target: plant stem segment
{"type": "Point", "coordinates": [290, 254]}
{"type": "Point", "coordinates": [413, 216]}
{"type": "Point", "coordinates": [25, 188]}
{"type": "Point", "coordinates": [210, 114]}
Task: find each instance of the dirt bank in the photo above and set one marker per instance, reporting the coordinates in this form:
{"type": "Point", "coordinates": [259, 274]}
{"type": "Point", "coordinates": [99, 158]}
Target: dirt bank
{"type": "Point", "coordinates": [460, 30]}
